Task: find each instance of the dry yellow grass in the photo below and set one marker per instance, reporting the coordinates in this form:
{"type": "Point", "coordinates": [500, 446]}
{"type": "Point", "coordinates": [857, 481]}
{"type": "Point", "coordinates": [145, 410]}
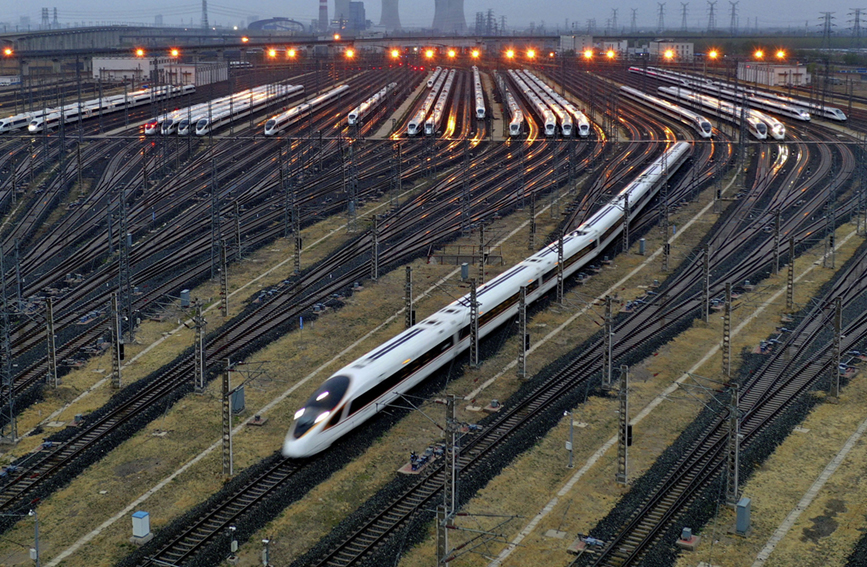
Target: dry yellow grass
{"type": "Point", "coordinates": [596, 493]}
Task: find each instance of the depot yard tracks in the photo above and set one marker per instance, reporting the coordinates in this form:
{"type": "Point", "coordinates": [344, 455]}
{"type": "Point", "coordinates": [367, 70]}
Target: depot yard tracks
{"type": "Point", "coordinates": [432, 215]}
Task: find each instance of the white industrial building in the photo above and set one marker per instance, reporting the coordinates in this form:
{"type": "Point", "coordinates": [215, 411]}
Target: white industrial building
{"type": "Point", "coordinates": [773, 74]}
{"type": "Point", "coordinates": [576, 43]}
{"type": "Point", "coordinates": [161, 70]}
{"type": "Point", "coordinates": [682, 50]}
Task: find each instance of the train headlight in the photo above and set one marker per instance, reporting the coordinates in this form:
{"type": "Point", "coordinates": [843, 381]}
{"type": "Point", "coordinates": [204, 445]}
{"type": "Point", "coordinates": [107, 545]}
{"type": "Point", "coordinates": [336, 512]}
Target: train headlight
{"type": "Point", "coordinates": [322, 416]}
{"type": "Point", "coordinates": [299, 413]}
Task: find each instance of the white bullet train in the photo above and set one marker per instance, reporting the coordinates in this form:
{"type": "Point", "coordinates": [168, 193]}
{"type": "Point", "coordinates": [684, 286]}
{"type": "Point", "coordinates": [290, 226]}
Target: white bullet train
{"type": "Point", "coordinates": [564, 118]}
{"type": "Point", "coordinates": [289, 117]}
{"type": "Point", "coordinates": [549, 121]}
{"type": "Point", "coordinates": [479, 94]}
{"type": "Point", "coordinates": [359, 390]}
{"type": "Point", "coordinates": [767, 101]}
{"type": "Point", "coordinates": [362, 110]}
{"type": "Point", "coordinates": [433, 78]}
{"type": "Point", "coordinates": [433, 122]}
{"type": "Point", "coordinates": [50, 118]}
{"type": "Point", "coordinates": [416, 123]}
{"type": "Point", "coordinates": [583, 124]}
{"type": "Point", "coordinates": [516, 122]}
{"type": "Point", "coordinates": [695, 121]}
{"type": "Point", "coordinates": [756, 121]}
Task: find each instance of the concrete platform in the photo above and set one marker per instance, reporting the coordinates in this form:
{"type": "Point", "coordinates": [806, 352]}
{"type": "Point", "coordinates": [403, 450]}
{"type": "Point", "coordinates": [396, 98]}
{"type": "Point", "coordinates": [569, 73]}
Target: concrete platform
{"type": "Point", "coordinates": [689, 544]}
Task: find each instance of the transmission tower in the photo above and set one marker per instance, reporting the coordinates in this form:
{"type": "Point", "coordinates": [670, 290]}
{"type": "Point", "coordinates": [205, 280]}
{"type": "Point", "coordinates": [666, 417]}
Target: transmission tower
{"type": "Point", "coordinates": [827, 17]}
{"type": "Point", "coordinates": [733, 26]}
{"type": "Point", "coordinates": [683, 6]}
{"type": "Point", "coordinates": [661, 24]}
{"type": "Point", "coordinates": [711, 17]}
{"type": "Point", "coordinates": [633, 28]}
{"type": "Point", "coordinates": [205, 15]}
{"type": "Point", "coordinates": [856, 26]}
{"type": "Point", "coordinates": [614, 20]}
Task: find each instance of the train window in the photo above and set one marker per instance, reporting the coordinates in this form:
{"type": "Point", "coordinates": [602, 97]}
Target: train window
{"type": "Point", "coordinates": [320, 404]}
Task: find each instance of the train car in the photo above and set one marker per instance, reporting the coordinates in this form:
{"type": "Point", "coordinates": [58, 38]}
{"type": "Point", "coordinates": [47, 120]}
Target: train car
{"type": "Point", "coordinates": [695, 121]}
{"type": "Point", "coordinates": [549, 120]}
{"type": "Point", "coordinates": [545, 92]}
{"type": "Point", "coordinates": [277, 123]}
{"type": "Point", "coordinates": [763, 100]}
{"type": "Point", "coordinates": [581, 121]}
{"type": "Point", "coordinates": [16, 122]}
{"type": "Point", "coordinates": [433, 79]}
{"type": "Point", "coordinates": [432, 123]}
{"type": "Point", "coordinates": [367, 385]}
{"type": "Point", "coordinates": [479, 94]}
{"type": "Point", "coordinates": [718, 107]}
{"type": "Point", "coordinates": [67, 115]}
{"type": "Point", "coordinates": [516, 122]}
{"type": "Point", "coordinates": [416, 123]}
{"type": "Point", "coordinates": [362, 110]}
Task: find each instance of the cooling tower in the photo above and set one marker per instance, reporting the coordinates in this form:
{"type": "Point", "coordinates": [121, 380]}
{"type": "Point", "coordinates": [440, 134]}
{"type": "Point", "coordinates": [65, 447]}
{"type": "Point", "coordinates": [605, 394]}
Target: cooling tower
{"type": "Point", "coordinates": [449, 16]}
{"type": "Point", "coordinates": [390, 19]}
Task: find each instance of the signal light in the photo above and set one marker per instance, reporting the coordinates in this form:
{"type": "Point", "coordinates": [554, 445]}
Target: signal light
{"type": "Point", "coordinates": [291, 53]}
{"type": "Point", "coordinates": [531, 54]}
{"type": "Point", "coordinates": [429, 53]}
{"type": "Point", "coordinates": [395, 53]}
{"type": "Point", "coordinates": [272, 53]}
{"type": "Point", "coordinates": [350, 53]}
{"type": "Point", "coordinates": [510, 54]}
{"type": "Point", "coordinates": [452, 53]}
{"type": "Point", "coordinates": [588, 54]}
{"type": "Point", "coordinates": [475, 54]}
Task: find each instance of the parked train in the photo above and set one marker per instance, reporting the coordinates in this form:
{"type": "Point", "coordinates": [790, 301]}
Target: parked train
{"type": "Point", "coordinates": [722, 108]}
{"type": "Point", "coordinates": [769, 102]}
{"type": "Point", "coordinates": [365, 386]}
{"type": "Point", "coordinates": [543, 92]}
{"type": "Point", "coordinates": [289, 117]}
{"type": "Point", "coordinates": [479, 94]}
{"type": "Point", "coordinates": [580, 119]}
{"type": "Point", "coordinates": [433, 78]}
{"type": "Point", "coordinates": [433, 122]}
{"type": "Point", "coordinates": [361, 111]}
{"type": "Point", "coordinates": [50, 118]}
{"type": "Point", "coordinates": [549, 121]}
{"type": "Point", "coordinates": [516, 117]}
{"type": "Point", "coordinates": [695, 121]}
{"type": "Point", "coordinates": [416, 123]}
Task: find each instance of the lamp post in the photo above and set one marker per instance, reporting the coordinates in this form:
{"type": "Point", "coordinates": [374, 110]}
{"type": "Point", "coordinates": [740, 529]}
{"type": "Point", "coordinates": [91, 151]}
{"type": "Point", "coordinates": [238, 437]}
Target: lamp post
{"type": "Point", "coordinates": [568, 414]}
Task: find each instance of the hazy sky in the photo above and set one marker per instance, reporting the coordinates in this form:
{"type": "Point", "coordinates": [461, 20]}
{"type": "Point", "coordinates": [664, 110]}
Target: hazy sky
{"type": "Point", "coordinates": [419, 13]}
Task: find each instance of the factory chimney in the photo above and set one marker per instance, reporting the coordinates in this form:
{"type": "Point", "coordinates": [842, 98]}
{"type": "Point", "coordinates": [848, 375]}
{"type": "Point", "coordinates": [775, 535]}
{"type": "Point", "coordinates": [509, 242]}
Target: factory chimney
{"type": "Point", "coordinates": [390, 19]}
{"type": "Point", "coordinates": [449, 17]}
{"type": "Point", "coordinates": [323, 15]}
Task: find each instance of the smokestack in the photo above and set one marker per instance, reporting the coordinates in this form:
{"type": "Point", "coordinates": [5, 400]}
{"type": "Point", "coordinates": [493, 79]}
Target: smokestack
{"type": "Point", "coordinates": [449, 17]}
{"type": "Point", "coordinates": [323, 15]}
{"type": "Point", "coordinates": [341, 13]}
{"type": "Point", "coordinates": [390, 19]}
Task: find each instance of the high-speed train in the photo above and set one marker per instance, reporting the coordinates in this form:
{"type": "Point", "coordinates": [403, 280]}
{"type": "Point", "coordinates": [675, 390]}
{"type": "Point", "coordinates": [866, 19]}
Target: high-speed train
{"type": "Point", "coordinates": [479, 93]}
{"type": "Point", "coordinates": [721, 108]}
{"type": "Point", "coordinates": [695, 121]}
{"type": "Point", "coordinates": [769, 102]}
{"type": "Point", "coordinates": [284, 119]}
{"type": "Point", "coordinates": [433, 122]}
{"type": "Point", "coordinates": [543, 91]}
{"type": "Point", "coordinates": [548, 119]}
{"type": "Point", "coordinates": [416, 123]}
{"type": "Point", "coordinates": [433, 78]}
{"type": "Point", "coordinates": [365, 386]}
{"type": "Point", "coordinates": [829, 112]}
{"type": "Point", "coordinates": [50, 118]}
{"type": "Point", "coordinates": [516, 121]}
{"type": "Point", "coordinates": [362, 110]}
{"type": "Point", "coordinates": [581, 121]}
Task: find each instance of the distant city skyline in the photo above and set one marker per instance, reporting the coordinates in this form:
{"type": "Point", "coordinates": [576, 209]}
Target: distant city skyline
{"type": "Point", "coordinates": [519, 14]}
